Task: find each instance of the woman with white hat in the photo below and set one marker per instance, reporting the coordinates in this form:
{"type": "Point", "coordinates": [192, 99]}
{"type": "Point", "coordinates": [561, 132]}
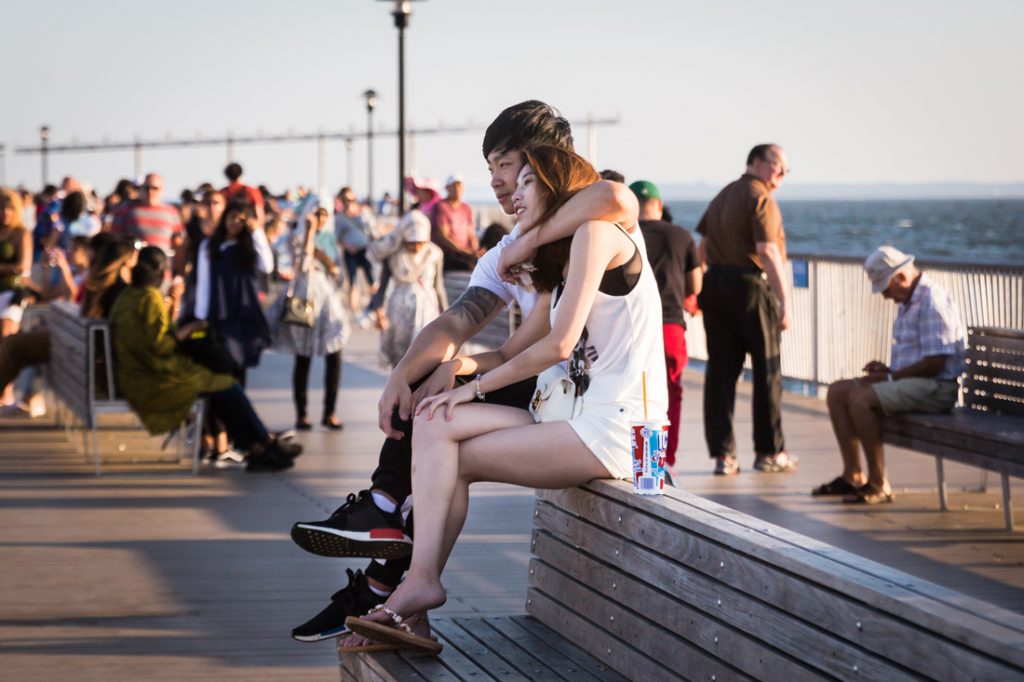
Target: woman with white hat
{"type": "Point", "coordinates": [418, 295]}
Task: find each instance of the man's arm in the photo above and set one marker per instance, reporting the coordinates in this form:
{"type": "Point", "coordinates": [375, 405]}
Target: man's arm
{"type": "Point", "coordinates": [606, 201]}
{"type": "Point", "coordinates": [438, 341]}
{"type": "Point", "coordinates": [926, 367]}
{"type": "Point", "coordinates": [771, 260]}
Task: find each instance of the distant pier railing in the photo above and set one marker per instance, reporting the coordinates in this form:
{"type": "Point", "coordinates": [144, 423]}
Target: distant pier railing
{"type": "Point", "coordinates": [837, 325]}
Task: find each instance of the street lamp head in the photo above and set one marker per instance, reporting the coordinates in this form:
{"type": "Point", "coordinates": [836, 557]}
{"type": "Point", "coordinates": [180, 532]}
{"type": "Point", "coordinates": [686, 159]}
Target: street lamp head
{"type": "Point", "coordinates": [402, 11]}
{"type": "Point", "coordinates": [371, 100]}
{"type": "Point", "coordinates": [44, 132]}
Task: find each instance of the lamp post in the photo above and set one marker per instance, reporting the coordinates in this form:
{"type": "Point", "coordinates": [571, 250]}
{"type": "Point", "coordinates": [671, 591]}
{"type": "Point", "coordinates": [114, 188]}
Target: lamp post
{"type": "Point", "coordinates": [44, 153]}
{"type": "Point", "coordinates": [401, 14]}
{"type": "Point", "coordinates": [371, 104]}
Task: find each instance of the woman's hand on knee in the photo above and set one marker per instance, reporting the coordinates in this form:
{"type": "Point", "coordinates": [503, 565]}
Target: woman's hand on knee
{"type": "Point", "coordinates": [446, 402]}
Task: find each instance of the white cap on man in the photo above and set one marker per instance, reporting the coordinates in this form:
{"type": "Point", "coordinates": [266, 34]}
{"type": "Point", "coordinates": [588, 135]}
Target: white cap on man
{"type": "Point", "coordinates": [453, 178]}
{"type": "Point", "coordinates": [883, 264]}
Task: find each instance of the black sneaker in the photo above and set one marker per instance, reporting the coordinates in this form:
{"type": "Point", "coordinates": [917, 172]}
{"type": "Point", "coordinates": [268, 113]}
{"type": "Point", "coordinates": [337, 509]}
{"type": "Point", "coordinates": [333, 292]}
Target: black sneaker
{"type": "Point", "coordinates": [357, 528]}
{"type": "Point", "coordinates": [353, 600]}
{"type": "Point", "coordinates": [267, 461]}
{"type": "Point", "coordinates": [289, 449]}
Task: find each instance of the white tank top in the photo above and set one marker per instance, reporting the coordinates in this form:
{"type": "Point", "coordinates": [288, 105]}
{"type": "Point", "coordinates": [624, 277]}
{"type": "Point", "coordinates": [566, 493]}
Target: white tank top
{"type": "Point", "coordinates": [624, 344]}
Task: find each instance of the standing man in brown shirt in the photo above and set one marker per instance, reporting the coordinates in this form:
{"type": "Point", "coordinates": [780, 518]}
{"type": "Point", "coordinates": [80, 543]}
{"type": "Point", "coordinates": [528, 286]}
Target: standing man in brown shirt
{"type": "Point", "coordinates": [745, 310]}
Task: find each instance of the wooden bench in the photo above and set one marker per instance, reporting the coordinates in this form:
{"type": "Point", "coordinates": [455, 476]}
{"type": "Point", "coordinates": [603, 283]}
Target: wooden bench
{"type": "Point", "coordinates": [988, 430]}
{"type": "Point", "coordinates": [678, 587]}
{"type": "Point", "coordinates": [80, 374]}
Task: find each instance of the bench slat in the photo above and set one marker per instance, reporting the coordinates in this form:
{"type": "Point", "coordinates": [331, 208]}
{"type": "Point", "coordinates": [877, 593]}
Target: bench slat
{"type": "Point", "coordinates": [726, 601]}
{"type": "Point", "coordinates": [671, 647]}
{"type": "Point", "coordinates": [608, 649]}
{"type": "Point", "coordinates": [381, 667]}
{"type": "Point", "coordinates": [819, 590]}
{"type": "Point", "coordinates": [553, 650]}
{"type": "Point", "coordinates": [677, 599]}
{"type": "Point", "coordinates": [968, 616]}
{"type": "Point", "coordinates": [512, 656]}
{"type": "Point", "coordinates": [474, 657]}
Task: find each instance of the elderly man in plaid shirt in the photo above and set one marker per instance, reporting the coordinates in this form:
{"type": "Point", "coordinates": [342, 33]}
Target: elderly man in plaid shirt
{"type": "Point", "coordinates": [927, 360]}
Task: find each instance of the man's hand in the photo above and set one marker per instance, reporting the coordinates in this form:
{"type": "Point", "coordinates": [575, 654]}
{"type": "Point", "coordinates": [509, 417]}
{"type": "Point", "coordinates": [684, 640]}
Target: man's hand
{"type": "Point", "coordinates": [783, 316]}
{"type": "Point", "coordinates": [440, 380]}
{"type": "Point", "coordinates": [515, 253]}
{"type": "Point", "coordinates": [396, 394]}
{"type": "Point", "coordinates": [874, 377]}
{"type": "Point", "coordinates": [875, 366]}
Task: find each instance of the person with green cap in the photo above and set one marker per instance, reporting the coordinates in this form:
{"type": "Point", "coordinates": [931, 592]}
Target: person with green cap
{"type": "Point", "coordinates": [676, 266]}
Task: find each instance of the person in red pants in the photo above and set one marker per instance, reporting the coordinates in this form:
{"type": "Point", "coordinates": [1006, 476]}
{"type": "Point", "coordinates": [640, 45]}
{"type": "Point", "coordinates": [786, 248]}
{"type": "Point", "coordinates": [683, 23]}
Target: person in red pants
{"type": "Point", "coordinates": [676, 265]}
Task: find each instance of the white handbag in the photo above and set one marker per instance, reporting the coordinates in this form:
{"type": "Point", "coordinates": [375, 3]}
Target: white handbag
{"type": "Point", "coordinates": [555, 397]}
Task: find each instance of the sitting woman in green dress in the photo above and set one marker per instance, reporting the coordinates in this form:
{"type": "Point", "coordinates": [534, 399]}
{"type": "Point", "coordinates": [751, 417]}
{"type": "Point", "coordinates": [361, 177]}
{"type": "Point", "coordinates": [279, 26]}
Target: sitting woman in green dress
{"type": "Point", "coordinates": [161, 384]}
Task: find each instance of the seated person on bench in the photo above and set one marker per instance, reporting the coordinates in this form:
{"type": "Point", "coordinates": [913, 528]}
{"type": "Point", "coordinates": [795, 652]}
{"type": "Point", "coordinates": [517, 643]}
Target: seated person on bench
{"type": "Point", "coordinates": [161, 384]}
{"type": "Point", "coordinates": [927, 360]}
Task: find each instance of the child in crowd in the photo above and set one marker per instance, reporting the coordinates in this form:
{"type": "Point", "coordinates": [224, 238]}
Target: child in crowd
{"type": "Point", "coordinates": [418, 295]}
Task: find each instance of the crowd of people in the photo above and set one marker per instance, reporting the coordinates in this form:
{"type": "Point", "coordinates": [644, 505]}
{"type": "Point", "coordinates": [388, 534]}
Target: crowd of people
{"type": "Point", "coordinates": [603, 279]}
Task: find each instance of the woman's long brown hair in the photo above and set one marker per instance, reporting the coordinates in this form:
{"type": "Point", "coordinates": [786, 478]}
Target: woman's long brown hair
{"type": "Point", "coordinates": [560, 174]}
{"type": "Point", "coordinates": [104, 272]}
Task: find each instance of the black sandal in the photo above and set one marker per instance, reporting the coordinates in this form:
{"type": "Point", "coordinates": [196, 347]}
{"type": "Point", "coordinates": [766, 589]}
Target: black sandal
{"type": "Point", "coordinates": [837, 486]}
{"type": "Point", "coordinates": [867, 494]}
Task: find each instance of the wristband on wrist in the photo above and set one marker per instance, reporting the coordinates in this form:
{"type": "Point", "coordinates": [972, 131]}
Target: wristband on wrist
{"type": "Point", "coordinates": [480, 395]}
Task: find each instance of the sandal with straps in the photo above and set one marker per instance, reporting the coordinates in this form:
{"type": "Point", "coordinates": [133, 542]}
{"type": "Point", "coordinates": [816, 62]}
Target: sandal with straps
{"type": "Point", "coordinates": [399, 633]}
{"type": "Point", "coordinates": [837, 486]}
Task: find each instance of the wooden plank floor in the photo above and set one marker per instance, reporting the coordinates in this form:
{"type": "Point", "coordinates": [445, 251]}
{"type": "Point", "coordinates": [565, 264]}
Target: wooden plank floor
{"type": "Point", "coordinates": [153, 574]}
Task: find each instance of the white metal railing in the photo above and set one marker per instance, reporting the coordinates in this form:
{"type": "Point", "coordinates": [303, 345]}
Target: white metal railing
{"type": "Point", "coordinates": [837, 324]}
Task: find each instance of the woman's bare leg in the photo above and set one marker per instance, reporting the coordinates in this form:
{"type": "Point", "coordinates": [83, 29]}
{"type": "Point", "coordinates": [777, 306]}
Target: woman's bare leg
{"type": "Point", "coordinates": [480, 443]}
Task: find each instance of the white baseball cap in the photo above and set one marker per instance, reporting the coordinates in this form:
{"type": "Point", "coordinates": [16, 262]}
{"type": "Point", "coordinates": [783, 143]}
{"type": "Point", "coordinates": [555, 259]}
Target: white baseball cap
{"type": "Point", "coordinates": [883, 264]}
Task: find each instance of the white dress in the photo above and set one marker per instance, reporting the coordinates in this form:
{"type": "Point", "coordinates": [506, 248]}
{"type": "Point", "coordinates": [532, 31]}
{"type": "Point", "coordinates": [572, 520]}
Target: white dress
{"type": "Point", "coordinates": [624, 343]}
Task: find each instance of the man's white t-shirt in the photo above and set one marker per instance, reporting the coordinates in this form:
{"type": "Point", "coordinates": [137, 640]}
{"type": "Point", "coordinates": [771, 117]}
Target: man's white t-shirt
{"type": "Point", "coordinates": [485, 275]}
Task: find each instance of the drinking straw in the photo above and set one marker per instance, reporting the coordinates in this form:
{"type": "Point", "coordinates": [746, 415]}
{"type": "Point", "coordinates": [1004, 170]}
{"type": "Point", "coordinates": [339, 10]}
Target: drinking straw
{"type": "Point", "coordinates": [643, 376]}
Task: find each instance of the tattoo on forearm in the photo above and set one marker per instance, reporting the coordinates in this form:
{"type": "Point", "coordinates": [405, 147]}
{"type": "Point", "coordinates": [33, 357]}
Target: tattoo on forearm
{"type": "Point", "coordinates": [476, 304]}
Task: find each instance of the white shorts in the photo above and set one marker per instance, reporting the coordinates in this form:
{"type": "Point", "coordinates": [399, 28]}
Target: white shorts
{"type": "Point", "coordinates": [605, 430]}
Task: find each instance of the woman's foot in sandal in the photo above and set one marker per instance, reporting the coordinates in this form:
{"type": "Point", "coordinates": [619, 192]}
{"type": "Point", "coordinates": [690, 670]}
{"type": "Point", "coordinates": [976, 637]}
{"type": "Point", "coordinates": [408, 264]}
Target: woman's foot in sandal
{"type": "Point", "coordinates": [402, 618]}
{"type": "Point", "coordinates": [837, 486]}
{"type": "Point", "coordinates": [412, 632]}
{"type": "Point", "coordinates": [869, 494]}
{"type": "Point", "coordinates": [303, 424]}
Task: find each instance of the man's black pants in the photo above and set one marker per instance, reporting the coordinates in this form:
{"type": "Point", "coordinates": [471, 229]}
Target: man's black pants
{"type": "Point", "coordinates": [740, 318]}
{"type": "Point", "coordinates": [394, 468]}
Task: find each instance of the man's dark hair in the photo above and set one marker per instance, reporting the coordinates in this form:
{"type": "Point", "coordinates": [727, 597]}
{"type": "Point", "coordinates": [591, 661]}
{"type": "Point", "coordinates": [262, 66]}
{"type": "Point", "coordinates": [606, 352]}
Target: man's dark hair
{"type": "Point", "coordinates": [759, 153]}
{"type": "Point", "coordinates": [527, 124]}
{"type": "Point", "coordinates": [73, 206]}
{"type": "Point", "coordinates": [613, 175]}
{"type": "Point", "coordinates": [149, 268]}
{"type": "Point", "coordinates": [233, 171]}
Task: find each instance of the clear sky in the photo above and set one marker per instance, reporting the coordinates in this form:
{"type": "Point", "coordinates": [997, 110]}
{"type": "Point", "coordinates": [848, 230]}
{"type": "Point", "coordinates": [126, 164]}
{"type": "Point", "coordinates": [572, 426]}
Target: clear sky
{"type": "Point", "coordinates": [857, 91]}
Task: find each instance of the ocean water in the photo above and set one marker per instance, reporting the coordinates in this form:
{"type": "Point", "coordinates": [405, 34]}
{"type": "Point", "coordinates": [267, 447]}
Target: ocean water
{"type": "Point", "coordinates": [967, 230]}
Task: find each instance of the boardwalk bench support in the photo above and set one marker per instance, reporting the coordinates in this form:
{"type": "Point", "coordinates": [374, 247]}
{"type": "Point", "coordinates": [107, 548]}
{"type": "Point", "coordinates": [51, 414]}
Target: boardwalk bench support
{"type": "Point", "coordinates": [80, 375]}
{"type": "Point", "coordinates": [988, 430]}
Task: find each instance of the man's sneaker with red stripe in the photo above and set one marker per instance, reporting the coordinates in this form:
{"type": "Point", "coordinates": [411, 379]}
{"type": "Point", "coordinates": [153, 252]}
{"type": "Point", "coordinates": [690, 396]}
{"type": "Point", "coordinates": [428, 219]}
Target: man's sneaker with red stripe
{"type": "Point", "coordinates": [358, 528]}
